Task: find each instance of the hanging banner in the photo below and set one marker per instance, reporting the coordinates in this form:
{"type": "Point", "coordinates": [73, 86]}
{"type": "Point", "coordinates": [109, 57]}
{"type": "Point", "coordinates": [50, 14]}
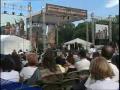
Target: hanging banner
{"type": "Point", "coordinates": [60, 10]}
{"type": "Point", "coordinates": [101, 31]}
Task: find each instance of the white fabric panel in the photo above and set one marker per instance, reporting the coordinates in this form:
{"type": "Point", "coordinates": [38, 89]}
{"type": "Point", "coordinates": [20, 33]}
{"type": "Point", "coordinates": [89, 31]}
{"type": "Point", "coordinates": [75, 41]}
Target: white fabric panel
{"type": "Point", "coordinates": [79, 41]}
{"type": "Point", "coordinates": [10, 42]}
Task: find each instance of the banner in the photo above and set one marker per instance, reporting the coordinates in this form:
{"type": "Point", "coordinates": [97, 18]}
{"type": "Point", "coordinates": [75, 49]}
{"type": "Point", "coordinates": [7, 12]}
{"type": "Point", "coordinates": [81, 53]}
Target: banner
{"type": "Point", "coordinates": [101, 31]}
{"type": "Point", "coordinates": [61, 10]}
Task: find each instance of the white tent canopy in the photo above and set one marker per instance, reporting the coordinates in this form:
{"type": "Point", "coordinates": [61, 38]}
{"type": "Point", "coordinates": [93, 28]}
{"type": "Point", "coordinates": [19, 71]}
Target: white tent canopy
{"type": "Point", "coordinates": [11, 42]}
{"type": "Point", "coordinates": [79, 41]}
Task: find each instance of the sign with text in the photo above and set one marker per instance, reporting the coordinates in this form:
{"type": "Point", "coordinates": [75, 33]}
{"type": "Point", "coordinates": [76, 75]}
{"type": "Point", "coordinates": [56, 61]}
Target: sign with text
{"type": "Point", "coordinates": [60, 10]}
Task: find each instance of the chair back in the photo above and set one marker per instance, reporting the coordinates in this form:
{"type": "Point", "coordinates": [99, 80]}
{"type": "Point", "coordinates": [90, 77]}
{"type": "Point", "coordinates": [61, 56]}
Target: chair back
{"type": "Point", "coordinates": [71, 75]}
{"type": "Point", "coordinates": [53, 78]}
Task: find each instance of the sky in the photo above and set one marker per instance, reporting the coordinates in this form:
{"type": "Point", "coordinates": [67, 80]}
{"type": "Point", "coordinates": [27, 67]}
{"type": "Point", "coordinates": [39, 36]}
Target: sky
{"type": "Point", "coordinates": [101, 8]}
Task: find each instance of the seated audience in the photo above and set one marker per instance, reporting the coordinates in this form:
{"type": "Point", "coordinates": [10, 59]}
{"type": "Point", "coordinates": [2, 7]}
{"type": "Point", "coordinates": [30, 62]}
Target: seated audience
{"type": "Point", "coordinates": [107, 53]}
{"type": "Point", "coordinates": [83, 64]}
{"type": "Point", "coordinates": [23, 59]}
{"type": "Point", "coordinates": [95, 54]}
{"type": "Point", "coordinates": [7, 69]}
{"type": "Point", "coordinates": [49, 66]}
{"type": "Point", "coordinates": [18, 63]}
{"type": "Point", "coordinates": [71, 63]}
{"type": "Point", "coordinates": [91, 51]}
{"type": "Point", "coordinates": [102, 73]}
{"type": "Point", "coordinates": [29, 70]}
{"type": "Point", "coordinates": [76, 57]}
{"type": "Point", "coordinates": [61, 62]}
{"type": "Point", "coordinates": [115, 60]}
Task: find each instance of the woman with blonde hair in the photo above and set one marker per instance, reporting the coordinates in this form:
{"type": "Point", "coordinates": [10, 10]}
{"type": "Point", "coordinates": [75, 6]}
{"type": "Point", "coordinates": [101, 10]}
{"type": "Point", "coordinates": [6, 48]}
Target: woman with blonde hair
{"type": "Point", "coordinates": [102, 73]}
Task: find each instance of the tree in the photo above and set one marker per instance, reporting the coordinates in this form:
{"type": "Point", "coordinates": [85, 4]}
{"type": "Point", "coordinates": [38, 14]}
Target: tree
{"type": "Point", "coordinates": [80, 31]}
{"type": "Point", "coordinates": [115, 29]}
{"type": "Point", "coordinates": [65, 32]}
{"type": "Point", "coordinates": [69, 31]}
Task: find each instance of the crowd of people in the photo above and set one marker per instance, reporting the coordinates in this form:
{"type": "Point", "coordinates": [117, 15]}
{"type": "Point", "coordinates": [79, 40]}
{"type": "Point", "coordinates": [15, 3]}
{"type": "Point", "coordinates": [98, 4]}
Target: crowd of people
{"type": "Point", "coordinates": [103, 66]}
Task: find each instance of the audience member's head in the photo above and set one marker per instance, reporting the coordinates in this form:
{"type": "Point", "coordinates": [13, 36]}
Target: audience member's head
{"type": "Point", "coordinates": [7, 63]}
{"type": "Point", "coordinates": [49, 61]}
{"type": "Point", "coordinates": [32, 59]}
{"type": "Point", "coordinates": [15, 56]}
{"type": "Point", "coordinates": [107, 52]}
{"type": "Point", "coordinates": [20, 50]}
{"type": "Point", "coordinates": [92, 46]}
{"type": "Point", "coordinates": [18, 64]}
{"type": "Point", "coordinates": [95, 54]}
{"type": "Point", "coordinates": [14, 52]}
{"type": "Point", "coordinates": [70, 54]}
{"type": "Point", "coordinates": [70, 59]}
{"type": "Point", "coordinates": [60, 60]}
{"type": "Point", "coordinates": [82, 53]}
{"type": "Point", "coordinates": [23, 56]}
{"type": "Point", "coordinates": [65, 54]}
{"type": "Point", "coordinates": [100, 69]}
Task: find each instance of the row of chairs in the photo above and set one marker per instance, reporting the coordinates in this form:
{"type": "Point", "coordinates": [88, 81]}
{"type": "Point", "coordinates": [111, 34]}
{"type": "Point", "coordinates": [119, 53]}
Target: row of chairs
{"type": "Point", "coordinates": [63, 81]}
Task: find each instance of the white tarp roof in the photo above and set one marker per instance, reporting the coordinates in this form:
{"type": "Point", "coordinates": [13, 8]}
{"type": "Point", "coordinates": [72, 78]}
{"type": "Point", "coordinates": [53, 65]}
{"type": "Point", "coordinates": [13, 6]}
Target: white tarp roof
{"type": "Point", "coordinates": [80, 41]}
{"type": "Point", "coordinates": [11, 42]}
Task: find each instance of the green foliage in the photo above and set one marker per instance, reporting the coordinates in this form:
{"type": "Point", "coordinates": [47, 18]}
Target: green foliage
{"type": "Point", "coordinates": [69, 31]}
{"type": "Point", "coordinates": [66, 32]}
{"type": "Point", "coordinates": [80, 31]}
{"type": "Point", "coordinates": [102, 22]}
{"type": "Point", "coordinates": [115, 29]}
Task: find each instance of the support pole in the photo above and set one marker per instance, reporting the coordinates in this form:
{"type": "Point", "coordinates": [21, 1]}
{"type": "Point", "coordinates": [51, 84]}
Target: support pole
{"type": "Point", "coordinates": [44, 30]}
{"type": "Point", "coordinates": [87, 34]}
{"type": "Point", "coordinates": [30, 33]}
{"type": "Point", "coordinates": [93, 29]}
{"type": "Point", "coordinates": [57, 35]}
{"type": "Point", "coordinates": [110, 29]}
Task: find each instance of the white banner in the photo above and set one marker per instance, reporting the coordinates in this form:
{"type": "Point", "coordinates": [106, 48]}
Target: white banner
{"type": "Point", "coordinates": [101, 31]}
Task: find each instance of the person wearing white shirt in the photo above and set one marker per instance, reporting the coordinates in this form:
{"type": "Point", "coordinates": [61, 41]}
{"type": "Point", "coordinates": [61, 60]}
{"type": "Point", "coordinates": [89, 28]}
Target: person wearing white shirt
{"type": "Point", "coordinates": [91, 51]}
{"type": "Point", "coordinates": [7, 69]}
{"type": "Point", "coordinates": [107, 84]}
{"type": "Point", "coordinates": [102, 73]}
{"type": "Point", "coordinates": [107, 52]}
{"type": "Point", "coordinates": [10, 76]}
{"type": "Point", "coordinates": [28, 71]}
{"type": "Point", "coordinates": [114, 78]}
{"type": "Point", "coordinates": [83, 63]}
{"type": "Point", "coordinates": [76, 57]}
